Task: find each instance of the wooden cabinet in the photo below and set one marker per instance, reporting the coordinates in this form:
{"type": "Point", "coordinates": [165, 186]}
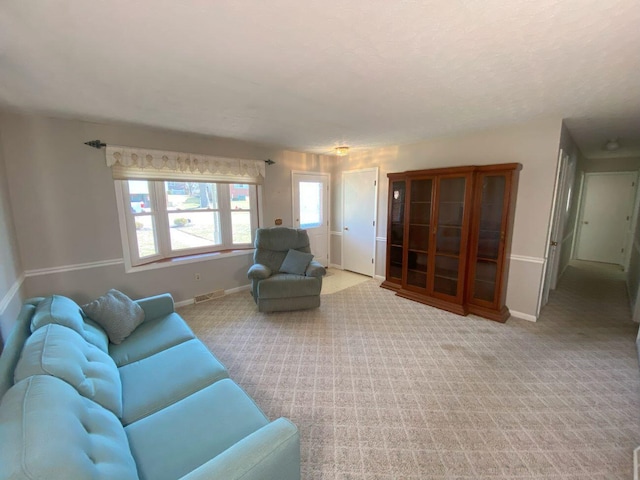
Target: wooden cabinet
{"type": "Point", "coordinates": [448, 236]}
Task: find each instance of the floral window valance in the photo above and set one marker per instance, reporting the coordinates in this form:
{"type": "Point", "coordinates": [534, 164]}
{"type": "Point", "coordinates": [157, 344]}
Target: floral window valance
{"type": "Point", "coordinates": [145, 164]}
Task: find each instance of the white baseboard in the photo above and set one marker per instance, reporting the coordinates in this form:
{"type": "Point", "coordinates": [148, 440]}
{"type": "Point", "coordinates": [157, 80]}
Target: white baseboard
{"type": "Point", "coordinates": [523, 316]}
{"type": "Point", "coordinates": [191, 301]}
{"type": "Point", "coordinates": [8, 297]}
{"type": "Point", "coordinates": [335, 265]}
{"type": "Point", "coordinates": [379, 278]}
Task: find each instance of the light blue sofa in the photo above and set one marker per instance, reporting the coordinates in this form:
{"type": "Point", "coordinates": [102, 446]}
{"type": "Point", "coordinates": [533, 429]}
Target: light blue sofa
{"type": "Point", "coordinates": [157, 406]}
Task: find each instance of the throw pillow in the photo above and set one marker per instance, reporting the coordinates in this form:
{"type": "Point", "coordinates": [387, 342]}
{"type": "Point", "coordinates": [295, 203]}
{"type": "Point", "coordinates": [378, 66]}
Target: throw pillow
{"type": "Point", "coordinates": [116, 313]}
{"type": "Point", "coordinates": [296, 262]}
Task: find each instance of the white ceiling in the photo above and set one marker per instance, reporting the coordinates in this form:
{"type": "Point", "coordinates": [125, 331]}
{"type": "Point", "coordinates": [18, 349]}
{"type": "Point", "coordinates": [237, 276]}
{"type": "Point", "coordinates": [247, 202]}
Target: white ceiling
{"type": "Point", "coordinates": [310, 75]}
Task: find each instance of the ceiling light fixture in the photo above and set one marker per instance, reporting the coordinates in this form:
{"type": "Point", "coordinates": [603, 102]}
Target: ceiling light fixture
{"type": "Point", "coordinates": [342, 151]}
{"type": "Point", "coordinates": [612, 145]}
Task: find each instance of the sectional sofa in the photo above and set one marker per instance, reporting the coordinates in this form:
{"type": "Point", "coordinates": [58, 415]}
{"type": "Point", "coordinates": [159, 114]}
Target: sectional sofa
{"type": "Point", "coordinates": [157, 406]}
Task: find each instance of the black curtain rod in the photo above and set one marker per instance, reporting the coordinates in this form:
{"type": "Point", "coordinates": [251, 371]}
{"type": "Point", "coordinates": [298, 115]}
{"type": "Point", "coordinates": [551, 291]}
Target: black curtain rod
{"type": "Point", "coordinates": [98, 144]}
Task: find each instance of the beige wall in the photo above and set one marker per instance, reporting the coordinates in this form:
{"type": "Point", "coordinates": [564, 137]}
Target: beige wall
{"type": "Point", "coordinates": [534, 144]}
{"type": "Point", "coordinates": [63, 202]}
{"type": "Point", "coordinates": [11, 292]}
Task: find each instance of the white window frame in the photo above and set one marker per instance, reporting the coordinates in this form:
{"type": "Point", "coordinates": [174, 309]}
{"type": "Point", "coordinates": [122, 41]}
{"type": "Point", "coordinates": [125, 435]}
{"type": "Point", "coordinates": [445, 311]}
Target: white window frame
{"type": "Point", "coordinates": [160, 215]}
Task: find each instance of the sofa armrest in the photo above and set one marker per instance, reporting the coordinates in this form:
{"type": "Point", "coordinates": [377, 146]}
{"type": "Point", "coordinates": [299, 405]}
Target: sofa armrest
{"type": "Point", "coordinates": [259, 272]}
{"type": "Point", "coordinates": [156, 306]}
{"type": "Point", "coordinates": [315, 269]}
{"type": "Point", "coordinates": [271, 453]}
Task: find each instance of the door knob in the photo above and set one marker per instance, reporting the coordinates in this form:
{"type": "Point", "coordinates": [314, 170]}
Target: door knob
{"type": "Point", "coordinates": [586, 223]}
{"type": "Point", "coordinates": [346, 228]}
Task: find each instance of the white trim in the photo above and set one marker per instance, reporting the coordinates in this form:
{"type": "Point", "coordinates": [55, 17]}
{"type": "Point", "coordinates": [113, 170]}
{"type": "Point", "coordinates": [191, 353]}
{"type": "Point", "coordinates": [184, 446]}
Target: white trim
{"type": "Point", "coordinates": [71, 268]}
{"type": "Point", "coordinates": [15, 288]}
{"type": "Point", "coordinates": [337, 234]}
{"type": "Point", "coordinates": [191, 301]}
{"type": "Point", "coordinates": [152, 266]}
{"type": "Point", "coordinates": [524, 258]}
{"type": "Point", "coordinates": [381, 239]}
{"type": "Point", "coordinates": [524, 316]}
{"type": "Point", "coordinates": [203, 257]}
{"type": "Point", "coordinates": [379, 278]}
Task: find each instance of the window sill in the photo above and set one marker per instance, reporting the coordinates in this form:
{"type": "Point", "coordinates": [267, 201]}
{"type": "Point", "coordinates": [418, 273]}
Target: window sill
{"type": "Point", "coordinates": [174, 262]}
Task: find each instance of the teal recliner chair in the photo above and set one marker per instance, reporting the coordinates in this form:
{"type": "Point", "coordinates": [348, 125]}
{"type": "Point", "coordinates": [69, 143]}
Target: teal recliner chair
{"type": "Point", "coordinates": [284, 275]}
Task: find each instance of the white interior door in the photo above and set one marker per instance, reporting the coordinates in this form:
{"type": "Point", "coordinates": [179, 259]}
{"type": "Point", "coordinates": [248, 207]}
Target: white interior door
{"type": "Point", "coordinates": [311, 210]}
{"type": "Point", "coordinates": [552, 233]}
{"type": "Point", "coordinates": [359, 202]}
{"type": "Point", "coordinates": [605, 216]}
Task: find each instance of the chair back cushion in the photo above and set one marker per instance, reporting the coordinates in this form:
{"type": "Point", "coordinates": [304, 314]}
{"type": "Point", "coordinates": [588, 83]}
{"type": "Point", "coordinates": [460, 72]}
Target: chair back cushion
{"type": "Point", "coordinates": [61, 352]}
{"type": "Point", "coordinates": [66, 312]}
{"type": "Point", "coordinates": [49, 431]}
{"type": "Point", "coordinates": [273, 244]}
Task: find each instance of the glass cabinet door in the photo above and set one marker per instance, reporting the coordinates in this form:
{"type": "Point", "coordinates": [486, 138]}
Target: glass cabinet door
{"type": "Point", "coordinates": [450, 211]}
{"type": "Point", "coordinates": [396, 224]}
{"type": "Point", "coordinates": [490, 236]}
{"type": "Point", "coordinates": [419, 230]}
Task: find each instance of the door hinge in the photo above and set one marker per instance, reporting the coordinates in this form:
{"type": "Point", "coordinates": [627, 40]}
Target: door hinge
{"type": "Point", "coordinates": [633, 184]}
{"type": "Point", "coordinates": [622, 250]}
{"type": "Point", "coordinates": [374, 223]}
{"type": "Point", "coordinates": [372, 260]}
{"type": "Point", "coordinates": [375, 183]}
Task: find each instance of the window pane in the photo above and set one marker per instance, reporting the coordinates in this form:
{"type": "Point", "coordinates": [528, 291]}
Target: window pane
{"type": "Point", "coordinates": [139, 196]}
{"type": "Point", "coordinates": [191, 196]}
{"type": "Point", "coordinates": [239, 194]}
{"type": "Point", "coordinates": [241, 227]}
{"type": "Point", "coordinates": [310, 204]}
{"type": "Point", "coordinates": [145, 235]}
{"type": "Point", "coordinates": [193, 229]}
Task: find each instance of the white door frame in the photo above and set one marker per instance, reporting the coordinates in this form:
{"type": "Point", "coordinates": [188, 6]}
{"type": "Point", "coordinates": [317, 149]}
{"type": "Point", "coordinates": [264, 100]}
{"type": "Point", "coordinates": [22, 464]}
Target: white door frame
{"type": "Point", "coordinates": [375, 217]}
{"type": "Point", "coordinates": [328, 193]}
{"type": "Point", "coordinates": [628, 243]}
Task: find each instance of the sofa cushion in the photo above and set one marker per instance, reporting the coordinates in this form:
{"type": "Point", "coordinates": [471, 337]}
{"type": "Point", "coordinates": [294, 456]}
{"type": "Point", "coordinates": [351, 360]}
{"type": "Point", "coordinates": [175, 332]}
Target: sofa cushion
{"type": "Point", "coordinates": [150, 338]}
{"type": "Point", "coordinates": [116, 313]}
{"type": "Point", "coordinates": [66, 312]}
{"type": "Point", "coordinates": [13, 346]}
{"type": "Point", "coordinates": [199, 427]}
{"type": "Point", "coordinates": [284, 285]}
{"type": "Point", "coordinates": [61, 352]}
{"type": "Point", "coordinates": [160, 380]}
{"type": "Point", "coordinates": [49, 431]}
{"type": "Point", "coordinates": [296, 262]}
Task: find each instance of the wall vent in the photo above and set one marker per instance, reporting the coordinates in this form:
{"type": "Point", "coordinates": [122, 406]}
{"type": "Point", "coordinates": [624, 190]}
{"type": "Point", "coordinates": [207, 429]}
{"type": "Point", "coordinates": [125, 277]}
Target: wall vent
{"type": "Point", "coordinates": [205, 297]}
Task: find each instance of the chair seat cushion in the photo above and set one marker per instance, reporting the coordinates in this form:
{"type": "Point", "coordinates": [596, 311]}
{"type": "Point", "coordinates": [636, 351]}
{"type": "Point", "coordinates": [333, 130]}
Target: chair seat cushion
{"type": "Point", "coordinates": [284, 285]}
{"type": "Point", "coordinates": [49, 431]}
{"type": "Point", "coordinates": [200, 427]}
{"type": "Point", "coordinates": [150, 338]}
{"type": "Point", "coordinates": [160, 380]}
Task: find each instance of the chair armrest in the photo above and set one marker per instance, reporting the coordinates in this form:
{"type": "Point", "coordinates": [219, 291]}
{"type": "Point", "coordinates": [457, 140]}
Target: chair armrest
{"type": "Point", "coordinates": [271, 453]}
{"type": "Point", "coordinates": [259, 272]}
{"type": "Point", "coordinates": [156, 306]}
{"type": "Point", "coordinates": [315, 269]}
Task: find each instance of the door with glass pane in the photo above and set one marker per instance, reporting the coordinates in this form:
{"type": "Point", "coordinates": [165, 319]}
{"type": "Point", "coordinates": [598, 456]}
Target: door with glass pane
{"type": "Point", "coordinates": [395, 233]}
{"type": "Point", "coordinates": [418, 234]}
{"type": "Point", "coordinates": [311, 211]}
{"type": "Point", "coordinates": [488, 238]}
{"type": "Point", "coordinates": [450, 233]}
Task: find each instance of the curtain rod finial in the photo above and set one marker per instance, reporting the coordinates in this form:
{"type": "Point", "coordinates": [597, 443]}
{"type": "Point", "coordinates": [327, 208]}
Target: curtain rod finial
{"type": "Point", "coordinates": [269, 161]}
{"type": "Point", "coordinates": [96, 144]}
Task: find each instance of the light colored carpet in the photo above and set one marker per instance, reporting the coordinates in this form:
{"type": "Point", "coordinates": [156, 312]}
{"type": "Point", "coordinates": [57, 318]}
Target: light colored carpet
{"type": "Point", "coordinates": [385, 388]}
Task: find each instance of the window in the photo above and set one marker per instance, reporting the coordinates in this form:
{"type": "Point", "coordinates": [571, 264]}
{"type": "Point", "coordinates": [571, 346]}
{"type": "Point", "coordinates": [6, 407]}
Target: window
{"type": "Point", "coordinates": [172, 219]}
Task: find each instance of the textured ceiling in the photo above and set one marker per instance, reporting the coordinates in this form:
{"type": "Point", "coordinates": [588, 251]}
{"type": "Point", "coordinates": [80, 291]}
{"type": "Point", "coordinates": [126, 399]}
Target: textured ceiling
{"type": "Point", "coordinates": [310, 75]}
